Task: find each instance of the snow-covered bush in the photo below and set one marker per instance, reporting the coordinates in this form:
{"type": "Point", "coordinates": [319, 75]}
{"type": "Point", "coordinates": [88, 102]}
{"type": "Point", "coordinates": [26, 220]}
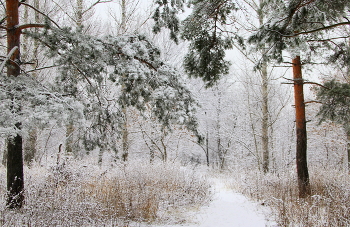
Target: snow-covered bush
{"type": "Point", "coordinates": [83, 195]}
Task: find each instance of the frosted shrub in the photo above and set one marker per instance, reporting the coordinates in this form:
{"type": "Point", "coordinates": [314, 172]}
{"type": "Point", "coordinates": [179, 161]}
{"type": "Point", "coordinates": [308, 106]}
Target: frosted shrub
{"type": "Point", "coordinates": [329, 204]}
{"type": "Point", "coordinates": [89, 196]}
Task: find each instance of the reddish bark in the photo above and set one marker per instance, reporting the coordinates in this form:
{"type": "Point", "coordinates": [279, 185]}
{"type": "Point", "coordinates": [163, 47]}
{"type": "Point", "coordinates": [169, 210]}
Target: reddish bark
{"type": "Point", "coordinates": [15, 181]}
{"type": "Point", "coordinates": [301, 147]}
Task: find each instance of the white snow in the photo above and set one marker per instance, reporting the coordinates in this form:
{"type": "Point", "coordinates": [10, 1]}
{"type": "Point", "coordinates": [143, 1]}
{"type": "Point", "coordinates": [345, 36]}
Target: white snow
{"type": "Point", "coordinates": [230, 209]}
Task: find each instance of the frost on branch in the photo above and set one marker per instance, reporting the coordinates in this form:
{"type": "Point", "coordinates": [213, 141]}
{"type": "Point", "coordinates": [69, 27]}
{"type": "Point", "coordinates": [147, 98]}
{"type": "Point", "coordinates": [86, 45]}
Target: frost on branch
{"type": "Point", "coordinates": [110, 73]}
{"type": "Point", "coordinates": [35, 104]}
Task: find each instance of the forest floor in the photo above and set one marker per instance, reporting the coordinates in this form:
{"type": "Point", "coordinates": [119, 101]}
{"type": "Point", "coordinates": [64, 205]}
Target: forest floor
{"type": "Point", "coordinates": [230, 209]}
{"type": "Point", "coordinates": [172, 195]}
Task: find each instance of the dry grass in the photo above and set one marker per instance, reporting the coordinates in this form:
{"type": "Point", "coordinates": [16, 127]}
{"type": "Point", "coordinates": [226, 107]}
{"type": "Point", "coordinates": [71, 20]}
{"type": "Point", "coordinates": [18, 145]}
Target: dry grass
{"type": "Point", "coordinates": [329, 204]}
{"type": "Point", "coordinates": [142, 194]}
{"type": "Point", "coordinates": [127, 195]}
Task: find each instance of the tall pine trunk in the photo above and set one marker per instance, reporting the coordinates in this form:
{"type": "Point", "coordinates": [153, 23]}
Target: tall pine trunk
{"type": "Point", "coordinates": [15, 183]}
{"type": "Point", "coordinates": [301, 148]}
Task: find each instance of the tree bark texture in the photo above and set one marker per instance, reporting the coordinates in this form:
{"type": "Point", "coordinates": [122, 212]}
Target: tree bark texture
{"type": "Point", "coordinates": [348, 147]}
{"type": "Point", "coordinates": [265, 128]}
{"type": "Point", "coordinates": [30, 147]}
{"type": "Point", "coordinates": [70, 138]}
{"type": "Point", "coordinates": [125, 136]}
{"type": "Point", "coordinates": [125, 130]}
{"type": "Point", "coordinates": [265, 120]}
{"type": "Point", "coordinates": [79, 13]}
{"type": "Point", "coordinates": [301, 146]}
{"type": "Point", "coordinates": [207, 147]}
{"type": "Point", "coordinates": [15, 183]}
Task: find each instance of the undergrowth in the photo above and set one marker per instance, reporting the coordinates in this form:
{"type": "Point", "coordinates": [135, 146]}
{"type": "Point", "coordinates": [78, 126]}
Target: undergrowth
{"type": "Point", "coordinates": [328, 205]}
{"type": "Point", "coordinates": [126, 195]}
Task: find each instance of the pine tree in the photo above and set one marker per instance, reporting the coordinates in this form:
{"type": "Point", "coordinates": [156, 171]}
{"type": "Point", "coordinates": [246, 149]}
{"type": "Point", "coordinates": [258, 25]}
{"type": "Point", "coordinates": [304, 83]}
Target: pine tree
{"type": "Point", "coordinates": [307, 28]}
{"type": "Point", "coordinates": [131, 61]}
{"type": "Point", "coordinates": [15, 181]}
{"type": "Point", "coordinates": [335, 97]}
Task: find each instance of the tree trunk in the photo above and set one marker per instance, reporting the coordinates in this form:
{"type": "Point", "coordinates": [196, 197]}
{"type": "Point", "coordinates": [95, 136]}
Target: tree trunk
{"type": "Point", "coordinates": [125, 136]}
{"type": "Point", "coordinates": [30, 147]}
{"type": "Point", "coordinates": [265, 99]}
{"type": "Point", "coordinates": [123, 23]}
{"type": "Point", "coordinates": [218, 129]}
{"type": "Point", "coordinates": [207, 146]}
{"type": "Point", "coordinates": [4, 156]}
{"type": "Point", "coordinates": [301, 147]}
{"type": "Point", "coordinates": [79, 13]}
{"type": "Point", "coordinates": [100, 157]}
{"type": "Point", "coordinates": [125, 131]}
{"type": "Point", "coordinates": [265, 120]}
{"type": "Point", "coordinates": [348, 147]}
{"type": "Point", "coordinates": [70, 137]}
{"type": "Point", "coordinates": [15, 183]}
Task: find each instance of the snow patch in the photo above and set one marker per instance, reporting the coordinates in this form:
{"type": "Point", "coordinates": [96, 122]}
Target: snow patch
{"type": "Point", "coordinates": [230, 209]}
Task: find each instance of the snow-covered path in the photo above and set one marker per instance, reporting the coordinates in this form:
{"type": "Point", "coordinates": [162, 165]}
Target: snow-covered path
{"type": "Point", "coordinates": [229, 209]}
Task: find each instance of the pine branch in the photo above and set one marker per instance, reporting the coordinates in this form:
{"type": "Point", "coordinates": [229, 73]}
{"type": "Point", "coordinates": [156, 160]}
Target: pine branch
{"type": "Point", "coordinates": [25, 26]}
{"type": "Point", "coordinates": [313, 101]}
{"type": "Point", "coordinates": [327, 40]}
{"type": "Point", "coordinates": [147, 63]}
{"type": "Point", "coordinates": [315, 30]}
{"type": "Point", "coordinates": [314, 83]}
{"type": "Point", "coordinates": [46, 67]}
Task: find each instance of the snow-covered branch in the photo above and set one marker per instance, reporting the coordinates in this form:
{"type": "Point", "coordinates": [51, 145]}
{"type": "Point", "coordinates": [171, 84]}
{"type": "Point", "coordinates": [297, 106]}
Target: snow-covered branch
{"type": "Point", "coordinates": [316, 30]}
{"type": "Point", "coordinates": [3, 64]}
{"type": "Point", "coordinates": [25, 26]}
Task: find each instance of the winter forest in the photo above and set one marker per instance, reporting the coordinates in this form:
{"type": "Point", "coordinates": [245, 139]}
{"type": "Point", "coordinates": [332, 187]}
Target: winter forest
{"type": "Point", "coordinates": [148, 112]}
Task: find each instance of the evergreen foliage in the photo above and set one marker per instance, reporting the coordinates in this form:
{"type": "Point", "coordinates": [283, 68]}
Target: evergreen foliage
{"type": "Point", "coordinates": [94, 70]}
{"type": "Point", "coordinates": [335, 98]}
{"type": "Point", "coordinates": [166, 16]}
{"type": "Point", "coordinates": [305, 27]}
{"type": "Point", "coordinates": [315, 30]}
{"type": "Point", "coordinates": [36, 105]}
{"type": "Point", "coordinates": [205, 29]}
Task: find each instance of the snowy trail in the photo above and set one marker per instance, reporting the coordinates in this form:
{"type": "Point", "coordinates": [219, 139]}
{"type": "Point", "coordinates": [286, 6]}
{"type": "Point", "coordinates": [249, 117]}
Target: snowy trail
{"type": "Point", "coordinates": [229, 209]}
